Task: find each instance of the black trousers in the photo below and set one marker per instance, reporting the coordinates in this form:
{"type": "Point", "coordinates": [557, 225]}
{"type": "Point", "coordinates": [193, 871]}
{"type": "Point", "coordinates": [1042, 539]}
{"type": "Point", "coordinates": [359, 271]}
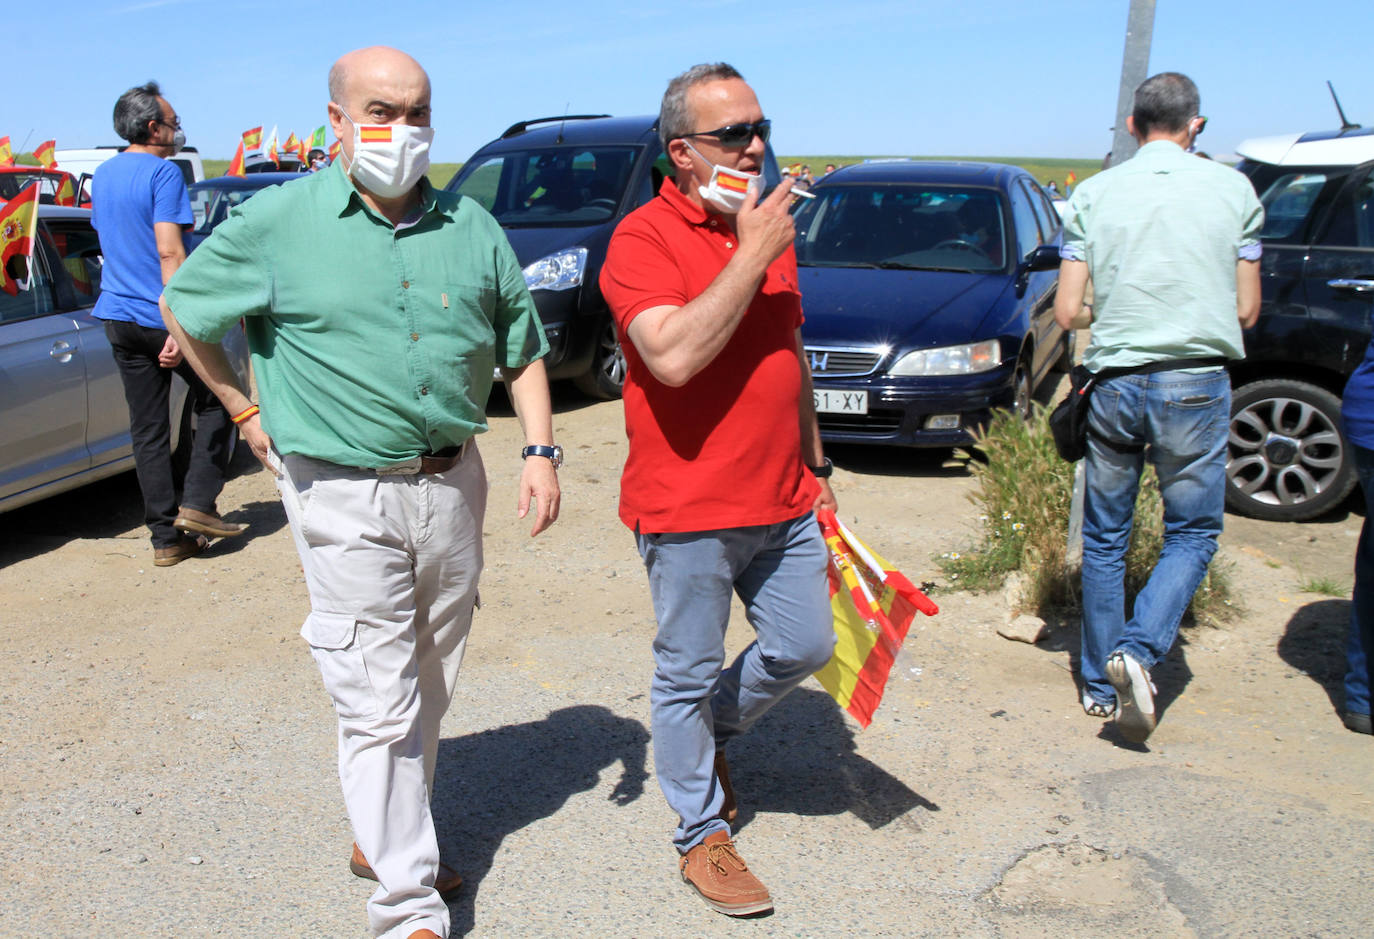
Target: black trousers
{"type": "Point", "coordinates": [147, 387]}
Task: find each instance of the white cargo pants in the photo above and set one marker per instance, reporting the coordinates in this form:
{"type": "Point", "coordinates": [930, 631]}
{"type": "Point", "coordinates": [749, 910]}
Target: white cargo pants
{"type": "Point", "coordinates": [392, 563]}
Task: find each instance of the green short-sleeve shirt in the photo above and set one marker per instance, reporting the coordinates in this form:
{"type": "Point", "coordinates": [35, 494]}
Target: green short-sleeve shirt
{"type": "Point", "coordinates": [371, 343]}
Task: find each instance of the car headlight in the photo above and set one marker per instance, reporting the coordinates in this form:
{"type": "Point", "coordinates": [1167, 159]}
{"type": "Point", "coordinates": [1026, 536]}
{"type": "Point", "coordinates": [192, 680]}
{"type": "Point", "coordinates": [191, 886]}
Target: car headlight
{"type": "Point", "coordinates": [561, 270]}
{"type": "Point", "coordinates": [950, 360]}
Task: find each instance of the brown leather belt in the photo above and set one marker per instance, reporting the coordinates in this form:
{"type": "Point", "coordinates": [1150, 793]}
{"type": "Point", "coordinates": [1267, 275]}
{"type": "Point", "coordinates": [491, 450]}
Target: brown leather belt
{"type": "Point", "coordinates": [426, 464]}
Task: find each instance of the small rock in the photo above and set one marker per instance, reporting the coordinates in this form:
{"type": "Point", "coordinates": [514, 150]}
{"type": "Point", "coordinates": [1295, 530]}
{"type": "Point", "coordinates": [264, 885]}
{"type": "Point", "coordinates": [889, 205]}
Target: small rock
{"type": "Point", "coordinates": [1025, 628]}
{"type": "Point", "coordinates": [195, 859]}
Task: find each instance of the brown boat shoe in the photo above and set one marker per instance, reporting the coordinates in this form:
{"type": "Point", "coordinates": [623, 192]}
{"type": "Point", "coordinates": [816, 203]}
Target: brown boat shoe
{"type": "Point", "coordinates": [187, 546]}
{"type": "Point", "coordinates": [446, 881]}
{"type": "Point", "coordinates": [720, 877]}
{"type": "Point", "coordinates": [206, 523]}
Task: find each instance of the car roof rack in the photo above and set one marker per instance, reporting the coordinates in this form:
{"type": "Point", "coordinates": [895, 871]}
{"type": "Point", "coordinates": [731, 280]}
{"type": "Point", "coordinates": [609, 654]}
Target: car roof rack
{"type": "Point", "coordinates": [523, 126]}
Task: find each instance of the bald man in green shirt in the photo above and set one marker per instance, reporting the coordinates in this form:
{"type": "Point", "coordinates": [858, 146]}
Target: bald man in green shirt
{"type": "Point", "coordinates": [376, 309]}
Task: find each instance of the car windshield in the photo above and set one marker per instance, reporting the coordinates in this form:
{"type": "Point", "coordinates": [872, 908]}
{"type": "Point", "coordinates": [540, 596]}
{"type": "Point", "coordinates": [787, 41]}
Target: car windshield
{"type": "Point", "coordinates": [910, 227]}
{"type": "Point", "coordinates": [210, 204]}
{"type": "Point", "coordinates": [556, 186]}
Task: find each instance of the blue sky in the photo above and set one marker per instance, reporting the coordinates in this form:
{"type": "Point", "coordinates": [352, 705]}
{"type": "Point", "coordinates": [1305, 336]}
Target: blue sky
{"type": "Point", "coordinates": [918, 77]}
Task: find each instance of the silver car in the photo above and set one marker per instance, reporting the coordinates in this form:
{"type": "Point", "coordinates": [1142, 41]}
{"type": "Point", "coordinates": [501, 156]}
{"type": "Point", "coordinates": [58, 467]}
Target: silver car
{"type": "Point", "coordinates": [63, 420]}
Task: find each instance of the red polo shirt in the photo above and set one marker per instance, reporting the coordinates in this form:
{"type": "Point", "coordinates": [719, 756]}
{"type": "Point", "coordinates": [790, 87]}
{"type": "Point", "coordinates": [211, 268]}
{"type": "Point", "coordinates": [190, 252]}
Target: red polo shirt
{"type": "Point", "coordinates": [724, 450]}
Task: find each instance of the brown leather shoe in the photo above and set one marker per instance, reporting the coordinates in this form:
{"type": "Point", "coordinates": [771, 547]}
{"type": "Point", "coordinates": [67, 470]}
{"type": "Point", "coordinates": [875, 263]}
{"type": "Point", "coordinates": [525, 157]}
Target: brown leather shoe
{"type": "Point", "coordinates": [446, 882]}
{"type": "Point", "coordinates": [719, 875]}
{"type": "Point", "coordinates": [729, 809]}
{"type": "Point", "coordinates": [205, 523]}
{"type": "Point", "coordinates": [187, 546]}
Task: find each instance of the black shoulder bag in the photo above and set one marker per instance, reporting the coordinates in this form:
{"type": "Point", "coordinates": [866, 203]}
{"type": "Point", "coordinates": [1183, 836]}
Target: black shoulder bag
{"type": "Point", "coordinates": [1069, 419]}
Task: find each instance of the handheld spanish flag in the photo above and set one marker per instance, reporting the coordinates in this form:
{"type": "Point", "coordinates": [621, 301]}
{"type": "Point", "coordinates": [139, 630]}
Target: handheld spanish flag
{"type": "Point", "coordinates": [6, 154]}
{"type": "Point", "coordinates": [46, 154]}
{"type": "Point", "coordinates": [874, 605]}
{"type": "Point", "coordinates": [18, 223]}
{"type": "Point", "coordinates": [1071, 178]}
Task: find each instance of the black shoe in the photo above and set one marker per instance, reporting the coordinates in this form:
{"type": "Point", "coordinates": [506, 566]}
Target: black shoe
{"type": "Point", "coordinates": [1360, 723]}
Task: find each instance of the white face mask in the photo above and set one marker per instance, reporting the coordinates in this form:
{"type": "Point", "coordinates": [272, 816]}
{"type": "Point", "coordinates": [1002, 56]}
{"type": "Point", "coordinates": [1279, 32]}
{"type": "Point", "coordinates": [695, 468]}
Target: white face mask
{"type": "Point", "coordinates": [389, 159]}
{"type": "Point", "coordinates": [726, 189]}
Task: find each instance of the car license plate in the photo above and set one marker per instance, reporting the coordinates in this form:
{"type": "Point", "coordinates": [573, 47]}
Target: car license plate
{"type": "Point", "coordinates": [831, 401]}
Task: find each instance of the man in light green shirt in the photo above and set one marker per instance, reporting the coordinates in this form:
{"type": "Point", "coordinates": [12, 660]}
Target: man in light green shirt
{"type": "Point", "coordinates": [1171, 243]}
{"type": "Point", "coordinates": [376, 309]}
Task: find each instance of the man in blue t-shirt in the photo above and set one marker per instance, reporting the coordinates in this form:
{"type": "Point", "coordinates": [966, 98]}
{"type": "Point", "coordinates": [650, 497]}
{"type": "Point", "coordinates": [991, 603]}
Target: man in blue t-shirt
{"type": "Point", "coordinates": [140, 208]}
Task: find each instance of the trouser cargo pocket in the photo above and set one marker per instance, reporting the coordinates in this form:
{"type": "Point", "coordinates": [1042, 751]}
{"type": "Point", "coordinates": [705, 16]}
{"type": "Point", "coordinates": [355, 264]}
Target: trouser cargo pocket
{"type": "Point", "coordinates": [337, 648]}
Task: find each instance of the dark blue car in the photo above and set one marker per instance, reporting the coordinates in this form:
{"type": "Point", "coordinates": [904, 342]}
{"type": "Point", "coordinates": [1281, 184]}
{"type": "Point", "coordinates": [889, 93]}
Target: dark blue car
{"type": "Point", "coordinates": [928, 289]}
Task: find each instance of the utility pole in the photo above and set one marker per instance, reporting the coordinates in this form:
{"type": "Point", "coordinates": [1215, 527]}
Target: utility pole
{"type": "Point", "coordinates": [1135, 65]}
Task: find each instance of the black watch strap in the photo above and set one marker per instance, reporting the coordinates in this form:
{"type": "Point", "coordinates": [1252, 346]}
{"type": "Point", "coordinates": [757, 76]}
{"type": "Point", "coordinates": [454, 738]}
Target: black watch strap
{"type": "Point", "coordinates": [824, 470]}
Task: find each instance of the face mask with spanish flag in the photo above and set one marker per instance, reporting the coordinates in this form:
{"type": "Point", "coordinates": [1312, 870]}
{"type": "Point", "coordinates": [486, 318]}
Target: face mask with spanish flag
{"type": "Point", "coordinates": [388, 159]}
{"type": "Point", "coordinates": [725, 191]}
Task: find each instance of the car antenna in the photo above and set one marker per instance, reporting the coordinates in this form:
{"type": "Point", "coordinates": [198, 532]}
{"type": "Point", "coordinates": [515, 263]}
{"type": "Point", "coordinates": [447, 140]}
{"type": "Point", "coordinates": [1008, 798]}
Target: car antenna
{"type": "Point", "coordinates": [567, 105]}
{"type": "Point", "coordinates": [1345, 122]}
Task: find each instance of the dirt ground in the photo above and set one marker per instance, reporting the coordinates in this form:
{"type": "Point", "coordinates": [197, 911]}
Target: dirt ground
{"type": "Point", "coordinates": [167, 749]}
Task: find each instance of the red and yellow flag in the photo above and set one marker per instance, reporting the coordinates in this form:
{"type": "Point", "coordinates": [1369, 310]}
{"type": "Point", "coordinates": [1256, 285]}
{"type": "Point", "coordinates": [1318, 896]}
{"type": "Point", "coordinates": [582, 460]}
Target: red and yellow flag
{"type": "Point", "coordinates": [732, 183]}
{"type": "Point", "coordinates": [66, 191]}
{"type": "Point", "coordinates": [874, 605]}
{"type": "Point", "coordinates": [252, 138]}
{"type": "Point", "coordinates": [18, 225]}
{"type": "Point", "coordinates": [6, 154]}
{"type": "Point", "coordinates": [1071, 178]}
{"type": "Point", "coordinates": [334, 151]}
{"type": "Point", "coordinates": [375, 133]}
{"type": "Point", "coordinates": [45, 154]}
{"type": "Point", "coordinates": [292, 144]}
{"type": "Point", "coordinates": [236, 164]}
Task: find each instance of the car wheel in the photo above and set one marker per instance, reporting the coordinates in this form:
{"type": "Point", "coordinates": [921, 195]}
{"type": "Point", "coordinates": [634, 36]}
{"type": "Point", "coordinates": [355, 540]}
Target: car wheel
{"type": "Point", "coordinates": [606, 377]}
{"type": "Point", "coordinates": [1067, 351]}
{"type": "Point", "coordinates": [1286, 457]}
{"type": "Point", "coordinates": [1021, 390]}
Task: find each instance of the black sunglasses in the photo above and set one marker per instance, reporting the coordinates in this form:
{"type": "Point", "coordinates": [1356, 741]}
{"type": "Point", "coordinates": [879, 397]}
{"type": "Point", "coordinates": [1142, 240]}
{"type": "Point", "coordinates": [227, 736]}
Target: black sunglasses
{"type": "Point", "coordinates": [738, 135]}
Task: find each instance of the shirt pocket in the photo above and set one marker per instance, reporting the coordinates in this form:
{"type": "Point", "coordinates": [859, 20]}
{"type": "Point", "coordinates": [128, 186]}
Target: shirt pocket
{"type": "Point", "coordinates": [464, 318]}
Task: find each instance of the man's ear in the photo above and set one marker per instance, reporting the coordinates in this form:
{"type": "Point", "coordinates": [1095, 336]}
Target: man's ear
{"type": "Point", "coordinates": [679, 155]}
{"type": "Point", "coordinates": [1130, 126]}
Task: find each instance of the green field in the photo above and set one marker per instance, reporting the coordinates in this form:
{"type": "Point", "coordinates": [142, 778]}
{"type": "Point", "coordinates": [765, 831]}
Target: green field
{"type": "Point", "coordinates": [1042, 168]}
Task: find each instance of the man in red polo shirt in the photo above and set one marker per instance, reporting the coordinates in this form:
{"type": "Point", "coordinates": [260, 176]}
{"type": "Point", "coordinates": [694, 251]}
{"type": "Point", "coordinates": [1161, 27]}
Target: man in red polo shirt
{"type": "Point", "coordinates": [725, 465]}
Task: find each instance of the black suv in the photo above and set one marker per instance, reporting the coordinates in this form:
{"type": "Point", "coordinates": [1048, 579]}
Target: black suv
{"type": "Point", "coordinates": [1288, 459]}
{"type": "Point", "coordinates": [559, 186]}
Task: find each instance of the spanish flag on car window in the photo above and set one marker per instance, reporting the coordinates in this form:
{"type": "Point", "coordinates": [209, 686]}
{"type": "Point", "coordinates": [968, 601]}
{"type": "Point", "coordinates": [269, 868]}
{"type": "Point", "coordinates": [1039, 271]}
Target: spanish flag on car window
{"type": "Point", "coordinates": [45, 154]}
{"type": "Point", "coordinates": [6, 154]}
{"type": "Point", "coordinates": [236, 164]}
{"type": "Point", "coordinates": [18, 223]}
{"type": "Point", "coordinates": [66, 191]}
{"type": "Point", "coordinates": [375, 133]}
{"type": "Point", "coordinates": [334, 151]}
{"type": "Point", "coordinates": [252, 138]}
{"type": "Point", "coordinates": [874, 605]}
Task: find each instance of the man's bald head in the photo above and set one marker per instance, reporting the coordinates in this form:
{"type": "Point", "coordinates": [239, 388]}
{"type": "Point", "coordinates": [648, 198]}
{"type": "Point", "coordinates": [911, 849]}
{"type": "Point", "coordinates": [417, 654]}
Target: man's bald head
{"type": "Point", "coordinates": [362, 71]}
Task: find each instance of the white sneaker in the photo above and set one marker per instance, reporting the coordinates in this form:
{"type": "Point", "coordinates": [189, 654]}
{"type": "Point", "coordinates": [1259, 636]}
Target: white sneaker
{"type": "Point", "coordinates": [1135, 697]}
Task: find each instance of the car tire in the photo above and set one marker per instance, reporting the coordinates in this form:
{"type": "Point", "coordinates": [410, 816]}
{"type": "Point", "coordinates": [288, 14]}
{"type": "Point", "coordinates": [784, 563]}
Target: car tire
{"type": "Point", "coordinates": [606, 378]}
{"type": "Point", "coordinates": [1068, 349]}
{"type": "Point", "coordinates": [1021, 390]}
{"type": "Point", "coordinates": [1287, 460]}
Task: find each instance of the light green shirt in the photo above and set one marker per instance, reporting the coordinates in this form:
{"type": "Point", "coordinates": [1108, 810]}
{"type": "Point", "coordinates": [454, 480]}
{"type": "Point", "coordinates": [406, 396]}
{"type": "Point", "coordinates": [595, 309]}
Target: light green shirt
{"type": "Point", "coordinates": [1161, 234]}
{"type": "Point", "coordinates": [371, 344]}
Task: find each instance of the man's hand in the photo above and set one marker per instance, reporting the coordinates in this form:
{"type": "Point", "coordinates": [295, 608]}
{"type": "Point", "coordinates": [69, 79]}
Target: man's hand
{"type": "Point", "coordinates": [170, 356]}
{"type": "Point", "coordinates": [826, 500]}
{"type": "Point", "coordinates": [539, 485]}
{"type": "Point", "coordinates": [766, 228]}
{"type": "Point", "coordinates": [252, 433]}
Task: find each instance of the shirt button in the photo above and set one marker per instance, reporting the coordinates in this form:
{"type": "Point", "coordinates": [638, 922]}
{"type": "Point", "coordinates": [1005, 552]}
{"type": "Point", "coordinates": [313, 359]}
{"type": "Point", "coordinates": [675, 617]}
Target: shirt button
{"type": "Point", "coordinates": [729, 244]}
{"type": "Point", "coordinates": [405, 284]}
{"type": "Point", "coordinates": [414, 337]}
{"type": "Point", "coordinates": [424, 389]}
{"type": "Point", "coordinates": [713, 223]}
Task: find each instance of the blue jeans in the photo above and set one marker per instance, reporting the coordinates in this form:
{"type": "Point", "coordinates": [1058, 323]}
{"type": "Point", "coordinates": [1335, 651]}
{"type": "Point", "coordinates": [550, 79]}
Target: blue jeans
{"type": "Point", "coordinates": [1182, 418]}
{"type": "Point", "coordinates": [779, 573]}
{"type": "Point", "coordinates": [1358, 676]}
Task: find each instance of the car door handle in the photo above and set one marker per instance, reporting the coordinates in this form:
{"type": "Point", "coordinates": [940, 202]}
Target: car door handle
{"type": "Point", "coordinates": [1346, 283]}
{"type": "Point", "coordinates": [62, 351]}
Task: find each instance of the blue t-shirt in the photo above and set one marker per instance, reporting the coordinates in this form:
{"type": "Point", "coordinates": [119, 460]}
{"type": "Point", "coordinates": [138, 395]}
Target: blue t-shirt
{"type": "Point", "coordinates": [1357, 403]}
{"type": "Point", "coordinates": [130, 193]}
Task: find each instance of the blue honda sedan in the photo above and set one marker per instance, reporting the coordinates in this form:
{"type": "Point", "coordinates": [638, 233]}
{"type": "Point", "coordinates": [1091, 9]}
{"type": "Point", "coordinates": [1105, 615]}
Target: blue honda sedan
{"type": "Point", "coordinates": [928, 289]}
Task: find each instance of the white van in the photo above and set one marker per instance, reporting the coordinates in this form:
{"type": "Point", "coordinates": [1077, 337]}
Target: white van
{"type": "Point", "coordinates": [81, 163]}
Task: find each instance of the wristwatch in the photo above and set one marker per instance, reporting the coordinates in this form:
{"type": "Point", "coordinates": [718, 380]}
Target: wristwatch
{"type": "Point", "coordinates": [554, 453]}
{"type": "Point", "coordinates": [824, 470]}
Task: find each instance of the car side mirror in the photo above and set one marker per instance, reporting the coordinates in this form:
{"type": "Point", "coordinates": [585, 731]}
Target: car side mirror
{"type": "Point", "coordinates": [1042, 258]}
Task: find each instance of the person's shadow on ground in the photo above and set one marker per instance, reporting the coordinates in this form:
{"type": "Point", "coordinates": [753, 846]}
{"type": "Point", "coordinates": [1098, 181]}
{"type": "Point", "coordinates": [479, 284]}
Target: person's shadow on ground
{"type": "Point", "coordinates": [490, 784]}
{"type": "Point", "coordinates": [1313, 642]}
{"type": "Point", "coordinates": [801, 759]}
